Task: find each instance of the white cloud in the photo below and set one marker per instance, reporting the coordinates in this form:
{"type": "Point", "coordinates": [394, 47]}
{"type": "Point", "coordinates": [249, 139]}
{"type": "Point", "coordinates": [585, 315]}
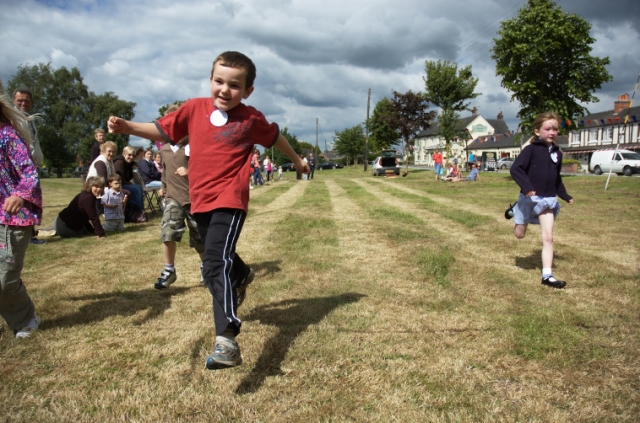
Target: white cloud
{"type": "Point", "coordinates": [315, 59]}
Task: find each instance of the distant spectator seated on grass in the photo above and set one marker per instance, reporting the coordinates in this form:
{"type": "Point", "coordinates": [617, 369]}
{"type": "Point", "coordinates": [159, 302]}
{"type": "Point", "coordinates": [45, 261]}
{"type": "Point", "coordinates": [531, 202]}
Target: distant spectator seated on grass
{"type": "Point", "coordinates": [114, 202]}
{"type": "Point", "coordinates": [453, 173]}
{"type": "Point", "coordinates": [124, 167]}
{"type": "Point", "coordinates": [80, 217]}
{"type": "Point", "coordinates": [149, 172]}
{"type": "Point", "coordinates": [473, 176]}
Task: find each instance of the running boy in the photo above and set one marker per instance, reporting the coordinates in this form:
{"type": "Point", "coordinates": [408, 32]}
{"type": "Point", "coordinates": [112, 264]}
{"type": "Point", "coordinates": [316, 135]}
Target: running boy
{"type": "Point", "coordinates": [114, 201]}
{"type": "Point", "coordinates": [177, 217]}
{"type": "Point", "coordinates": [537, 171]}
{"type": "Point", "coordinates": [222, 132]}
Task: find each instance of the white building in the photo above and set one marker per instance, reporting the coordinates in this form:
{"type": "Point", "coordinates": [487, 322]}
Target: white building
{"type": "Point", "coordinates": [427, 141]}
{"type": "Point", "coordinates": [603, 130]}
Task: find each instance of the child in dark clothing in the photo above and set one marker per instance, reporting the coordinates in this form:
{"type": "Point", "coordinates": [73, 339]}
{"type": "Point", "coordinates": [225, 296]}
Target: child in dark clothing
{"type": "Point", "coordinates": [222, 132]}
{"type": "Point", "coordinates": [537, 171]}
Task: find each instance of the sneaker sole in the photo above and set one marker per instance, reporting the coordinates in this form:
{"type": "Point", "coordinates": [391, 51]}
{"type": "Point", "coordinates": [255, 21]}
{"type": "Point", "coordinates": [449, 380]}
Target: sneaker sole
{"type": "Point", "coordinates": [218, 365]}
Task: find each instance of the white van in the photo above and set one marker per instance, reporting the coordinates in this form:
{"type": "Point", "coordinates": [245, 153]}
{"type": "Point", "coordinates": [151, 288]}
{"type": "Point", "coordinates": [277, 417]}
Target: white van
{"type": "Point", "coordinates": [624, 163]}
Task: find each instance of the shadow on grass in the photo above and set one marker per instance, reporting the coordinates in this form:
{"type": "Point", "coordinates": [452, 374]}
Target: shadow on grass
{"type": "Point", "coordinates": [534, 261]}
{"type": "Point", "coordinates": [292, 317]}
{"type": "Point", "coordinates": [266, 268]}
{"type": "Point", "coordinates": [118, 303]}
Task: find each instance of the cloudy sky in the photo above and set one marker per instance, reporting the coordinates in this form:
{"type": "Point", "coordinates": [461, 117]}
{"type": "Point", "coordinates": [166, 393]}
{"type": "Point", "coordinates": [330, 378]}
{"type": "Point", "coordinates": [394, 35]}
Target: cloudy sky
{"type": "Point", "coordinates": [315, 59]}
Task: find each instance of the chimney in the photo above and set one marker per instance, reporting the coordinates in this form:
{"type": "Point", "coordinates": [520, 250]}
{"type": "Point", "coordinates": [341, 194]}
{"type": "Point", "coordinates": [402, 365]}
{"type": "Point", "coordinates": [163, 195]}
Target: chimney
{"type": "Point", "coordinates": [622, 103]}
{"type": "Point", "coordinates": [474, 112]}
{"type": "Point", "coordinates": [500, 115]}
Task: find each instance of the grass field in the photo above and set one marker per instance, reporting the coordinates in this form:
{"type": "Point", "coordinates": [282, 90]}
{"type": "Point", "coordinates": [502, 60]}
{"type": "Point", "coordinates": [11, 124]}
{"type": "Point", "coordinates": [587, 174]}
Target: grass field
{"type": "Point", "coordinates": [375, 299]}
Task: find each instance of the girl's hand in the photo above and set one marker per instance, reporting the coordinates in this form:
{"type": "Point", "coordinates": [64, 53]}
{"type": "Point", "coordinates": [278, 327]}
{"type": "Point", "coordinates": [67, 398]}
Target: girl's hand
{"type": "Point", "coordinates": [570, 201]}
{"type": "Point", "coordinates": [13, 204]}
{"type": "Point", "coordinates": [531, 193]}
{"type": "Point", "coordinates": [182, 171]}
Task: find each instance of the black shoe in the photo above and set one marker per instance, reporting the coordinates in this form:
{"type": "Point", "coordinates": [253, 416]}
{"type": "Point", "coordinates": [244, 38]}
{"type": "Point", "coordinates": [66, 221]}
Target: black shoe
{"type": "Point", "coordinates": [508, 213]}
{"type": "Point", "coordinates": [553, 283]}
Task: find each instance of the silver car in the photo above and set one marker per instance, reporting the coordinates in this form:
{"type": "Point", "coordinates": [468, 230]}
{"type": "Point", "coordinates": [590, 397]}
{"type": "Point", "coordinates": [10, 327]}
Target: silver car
{"type": "Point", "coordinates": [505, 163]}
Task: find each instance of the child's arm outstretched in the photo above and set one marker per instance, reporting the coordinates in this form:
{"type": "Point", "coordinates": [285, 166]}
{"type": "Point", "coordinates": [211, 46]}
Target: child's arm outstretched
{"type": "Point", "coordinates": [149, 130]}
{"type": "Point", "coordinates": [283, 145]}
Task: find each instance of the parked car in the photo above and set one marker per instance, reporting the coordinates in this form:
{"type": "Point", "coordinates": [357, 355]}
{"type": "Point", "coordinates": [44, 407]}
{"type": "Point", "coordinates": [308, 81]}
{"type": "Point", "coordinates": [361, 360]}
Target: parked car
{"type": "Point", "coordinates": [288, 167]}
{"type": "Point", "coordinates": [329, 165]}
{"type": "Point", "coordinates": [624, 163]}
{"type": "Point", "coordinates": [386, 161]}
{"type": "Point", "coordinates": [505, 163]}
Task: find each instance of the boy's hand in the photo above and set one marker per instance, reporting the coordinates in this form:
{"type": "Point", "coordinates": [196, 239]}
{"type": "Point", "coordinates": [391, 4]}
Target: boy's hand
{"type": "Point", "coordinates": [116, 125]}
{"type": "Point", "coordinates": [161, 192]}
{"type": "Point", "coordinates": [182, 171]}
{"type": "Point", "coordinates": [302, 167]}
{"type": "Point", "coordinates": [13, 204]}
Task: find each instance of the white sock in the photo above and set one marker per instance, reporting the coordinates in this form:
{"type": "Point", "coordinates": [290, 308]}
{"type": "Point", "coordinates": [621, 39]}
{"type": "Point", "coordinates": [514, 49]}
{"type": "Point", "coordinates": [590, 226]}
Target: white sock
{"type": "Point", "coordinates": [169, 267]}
{"type": "Point", "coordinates": [546, 272]}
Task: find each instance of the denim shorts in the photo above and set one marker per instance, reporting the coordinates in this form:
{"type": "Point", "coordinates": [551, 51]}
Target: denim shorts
{"type": "Point", "coordinates": [527, 209]}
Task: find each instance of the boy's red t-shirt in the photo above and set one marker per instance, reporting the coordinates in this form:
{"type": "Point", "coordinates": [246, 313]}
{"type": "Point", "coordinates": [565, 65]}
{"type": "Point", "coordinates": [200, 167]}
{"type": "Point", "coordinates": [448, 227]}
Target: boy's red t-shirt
{"type": "Point", "coordinates": [218, 158]}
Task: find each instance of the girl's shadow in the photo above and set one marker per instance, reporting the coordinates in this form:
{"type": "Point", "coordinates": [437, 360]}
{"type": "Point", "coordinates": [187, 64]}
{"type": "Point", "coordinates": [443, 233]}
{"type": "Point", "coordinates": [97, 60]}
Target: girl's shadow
{"type": "Point", "coordinates": [118, 303]}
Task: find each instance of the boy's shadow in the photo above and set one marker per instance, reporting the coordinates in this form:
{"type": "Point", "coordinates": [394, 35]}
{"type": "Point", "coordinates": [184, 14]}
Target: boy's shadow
{"type": "Point", "coordinates": [292, 317]}
{"type": "Point", "coordinates": [533, 262]}
{"type": "Point", "coordinates": [266, 268]}
{"type": "Point", "coordinates": [120, 303]}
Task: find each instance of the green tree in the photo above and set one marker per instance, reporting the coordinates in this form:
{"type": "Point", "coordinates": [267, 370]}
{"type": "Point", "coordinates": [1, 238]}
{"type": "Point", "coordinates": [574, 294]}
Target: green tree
{"type": "Point", "coordinates": [449, 88]}
{"type": "Point", "coordinates": [69, 111]}
{"type": "Point", "coordinates": [381, 135]}
{"type": "Point", "coordinates": [350, 142]}
{"type": "Point", "coordinates": [98, 109]}
{"type": "Point", "coordinates": [409, 116]}
{"type": "Point", "coordinates": [164, 108]}
{"type": "Point", "coordinates": [60, 97]}
{"type": "Point", "coordinates": [543, 57]}
{"type": "Point", "coordinates": [278, 156]}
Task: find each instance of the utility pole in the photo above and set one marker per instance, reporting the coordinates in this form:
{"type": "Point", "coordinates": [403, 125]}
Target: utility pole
{"type": "Point", "coordinates": [316, 136]}
{"type": "Point", "coordinates": [366, 136]}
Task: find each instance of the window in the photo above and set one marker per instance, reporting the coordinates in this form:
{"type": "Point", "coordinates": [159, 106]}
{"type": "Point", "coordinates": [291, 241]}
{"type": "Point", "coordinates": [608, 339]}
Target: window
{"type": "Point", "coordinates": [575, 138]}
{"type": "Point", "coordinates": [593, 136]}
{"type": "Point", "coordinates": [607, 135]}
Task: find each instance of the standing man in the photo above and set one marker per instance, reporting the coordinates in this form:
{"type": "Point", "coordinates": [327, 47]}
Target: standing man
{"type": "Point", "coordinates": [98, 134]}
{"type": "Point", "coordinates": [437, 163]}
{"type": "Point", "coordinates": [23, 101]}
{"type": "Point", "coordinates": [312, 165]}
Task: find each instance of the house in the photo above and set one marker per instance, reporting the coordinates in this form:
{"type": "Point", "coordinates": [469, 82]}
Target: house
{"type": "Point", "coordinates": [476, 126]}
{"type": "Point", "coordinates": [504, 145]}
{"type": "Point", "coordinates": [603, 130]}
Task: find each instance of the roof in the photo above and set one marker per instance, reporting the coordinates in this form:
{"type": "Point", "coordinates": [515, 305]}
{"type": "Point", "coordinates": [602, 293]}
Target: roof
{"type": "Point", "coordinates": [497, 141]}
{"type": "Point", "coordinates": [499, 126]}
{"type": "Point", "coordinates": [591, 149]}
{"type": "Point", "coordinates": [616, 118]}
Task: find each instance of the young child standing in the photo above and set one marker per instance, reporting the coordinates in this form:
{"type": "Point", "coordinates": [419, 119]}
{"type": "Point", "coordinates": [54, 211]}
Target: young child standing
{"type": "Point", "coordinates": [21, 200]}
{"type": "Point", "coordinates": [537, 171]}
{"type": "Point", "coordinates": [114, 201]}
{"type": "Point", "coordinates": [280, 173]}
{"type": "Point", "coordinates": [222, 132]}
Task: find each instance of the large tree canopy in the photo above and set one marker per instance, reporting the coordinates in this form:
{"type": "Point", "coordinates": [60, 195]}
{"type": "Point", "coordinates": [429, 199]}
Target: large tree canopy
{"type": "Point", "coordinates": [543, 57]}
{"type": "Point", "coordinates": [449, 88]}
{"type": "Point", "coordinates": [382, 135]}
{"type": "Point", "coordinates": [69, 111]}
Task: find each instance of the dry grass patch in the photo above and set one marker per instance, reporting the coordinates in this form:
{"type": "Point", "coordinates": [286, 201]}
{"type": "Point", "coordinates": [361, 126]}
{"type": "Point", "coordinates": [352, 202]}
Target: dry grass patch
{"type": "Point", "coordinates": [375, 300]}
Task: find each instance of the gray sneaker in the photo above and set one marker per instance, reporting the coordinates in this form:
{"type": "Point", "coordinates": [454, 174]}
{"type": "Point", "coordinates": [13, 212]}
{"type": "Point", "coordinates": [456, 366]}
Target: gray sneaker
{"type": "Point", "coordinates": [242, 286]}
{"type": "Point", "coordinates": [31, 327]}
{"type": "Point", "coordinates": [226, 353]}
{"type": "Point", "coordinates": [165, 279]}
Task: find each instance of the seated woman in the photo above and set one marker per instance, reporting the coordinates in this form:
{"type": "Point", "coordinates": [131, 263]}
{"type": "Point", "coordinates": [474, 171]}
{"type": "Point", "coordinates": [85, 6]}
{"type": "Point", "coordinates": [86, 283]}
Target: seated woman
{"type": "Point", "coordinates": [102, 166]}
{"type": "Point", "coordinates": [80, 217]}
{"type": "Point", "coordinates": [123, 165]}
{"type": "Point", "coordinates": [149, 172]}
